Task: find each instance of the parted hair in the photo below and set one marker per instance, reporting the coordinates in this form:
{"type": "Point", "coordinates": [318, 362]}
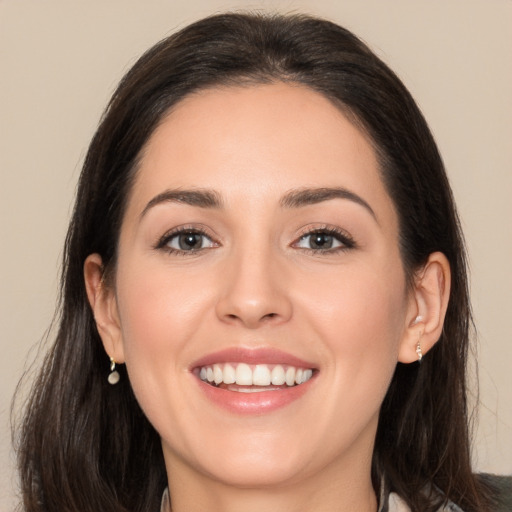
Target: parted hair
{"type": "Point", "coordinates": [85, 446]}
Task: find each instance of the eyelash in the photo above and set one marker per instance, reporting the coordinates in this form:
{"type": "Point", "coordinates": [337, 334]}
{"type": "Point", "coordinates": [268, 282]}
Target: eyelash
{"type": "Point", "coordinates": [346, 241]}
{"type": "Point", "coordinates": [182, 230]}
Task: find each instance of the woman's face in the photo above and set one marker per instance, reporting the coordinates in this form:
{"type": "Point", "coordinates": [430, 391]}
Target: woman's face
{"type": "Point", "coordinates": [259, 244]}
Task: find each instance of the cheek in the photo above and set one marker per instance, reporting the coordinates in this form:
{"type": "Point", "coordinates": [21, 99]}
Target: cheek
{"type": "Point", "coordinates": [360, 316]}
{"type": "Point", "coordinates": [160, 311]}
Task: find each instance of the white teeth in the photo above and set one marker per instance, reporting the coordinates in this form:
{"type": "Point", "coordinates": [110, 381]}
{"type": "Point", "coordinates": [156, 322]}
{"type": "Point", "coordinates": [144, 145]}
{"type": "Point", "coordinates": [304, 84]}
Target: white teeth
{"type": "Point", "coordinates": [243, 375]}
{"type": "Point", "coordinates": [217, 374]}
{"type": "Point", "coordinates": [229, 374]}
{"type": "Point", "coordinates": [290, 376]}
{"type": "Point", "coordinates": [253, 389]}
{"type": "Point", "coordinates": [278, 375]}
{"type": "Point", "coordinates": [259, 375]}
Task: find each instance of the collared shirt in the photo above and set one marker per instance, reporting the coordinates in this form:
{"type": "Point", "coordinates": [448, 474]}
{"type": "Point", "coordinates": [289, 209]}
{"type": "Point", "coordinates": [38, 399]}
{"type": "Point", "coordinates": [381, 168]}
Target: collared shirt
{"type": "Point", "coordinates": [396, 504]}
{"type": "Point", "coordinates": [165, 506]}
{"type": "Point", "coordinates": [390, 503]}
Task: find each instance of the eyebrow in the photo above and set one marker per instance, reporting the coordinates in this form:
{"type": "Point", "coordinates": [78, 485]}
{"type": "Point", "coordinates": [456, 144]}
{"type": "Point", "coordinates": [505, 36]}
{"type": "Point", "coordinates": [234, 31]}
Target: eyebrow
{"type": "Point", "coordinates": [309, 196]}
{"type": "Point", "coordinates": [210, 199]}
{"type": "Point", "coordinates": [197, 197]}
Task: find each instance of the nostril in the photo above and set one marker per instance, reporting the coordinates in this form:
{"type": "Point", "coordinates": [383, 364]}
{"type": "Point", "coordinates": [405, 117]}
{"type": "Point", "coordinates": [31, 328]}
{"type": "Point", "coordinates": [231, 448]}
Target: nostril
{"type": "Point", "coordinates": [253, 308]}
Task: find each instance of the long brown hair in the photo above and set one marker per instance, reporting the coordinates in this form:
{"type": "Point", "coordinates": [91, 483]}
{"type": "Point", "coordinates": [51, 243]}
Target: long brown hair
{"type": "Point", "coordinates": [87, 446]}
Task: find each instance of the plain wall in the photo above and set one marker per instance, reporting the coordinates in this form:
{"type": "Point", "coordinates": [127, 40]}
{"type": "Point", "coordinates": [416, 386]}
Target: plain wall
{"type": "Point", "coordinates": [60, 61]}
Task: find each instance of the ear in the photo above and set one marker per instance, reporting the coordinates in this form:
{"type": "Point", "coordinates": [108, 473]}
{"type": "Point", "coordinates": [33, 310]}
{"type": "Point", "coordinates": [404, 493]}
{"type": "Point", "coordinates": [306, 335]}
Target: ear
{"type": "Point", "coordinates": [427, 308]}
{"type": "Point", "coordinates": [104, 307]}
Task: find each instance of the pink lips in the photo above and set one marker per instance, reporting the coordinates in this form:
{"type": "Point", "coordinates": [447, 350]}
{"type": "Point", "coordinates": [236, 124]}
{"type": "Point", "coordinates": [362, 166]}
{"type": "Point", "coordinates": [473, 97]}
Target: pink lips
{"type": "Point", "coordinates": [252, 403]}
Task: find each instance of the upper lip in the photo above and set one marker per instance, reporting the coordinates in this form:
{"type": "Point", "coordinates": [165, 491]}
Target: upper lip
{"type": "Point", "coordinates": [252, 356]}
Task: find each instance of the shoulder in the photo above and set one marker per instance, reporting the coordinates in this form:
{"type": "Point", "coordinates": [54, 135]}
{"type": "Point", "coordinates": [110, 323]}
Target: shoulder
{"type": "Point", "coordinates": [502, 485]}
{"type": "Point", "coordinates": [397, 504]}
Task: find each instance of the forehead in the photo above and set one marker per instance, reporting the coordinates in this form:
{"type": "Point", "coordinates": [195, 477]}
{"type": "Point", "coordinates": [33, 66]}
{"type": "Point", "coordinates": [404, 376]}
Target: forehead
{"type": "Point", "coordinates": [257, 141]}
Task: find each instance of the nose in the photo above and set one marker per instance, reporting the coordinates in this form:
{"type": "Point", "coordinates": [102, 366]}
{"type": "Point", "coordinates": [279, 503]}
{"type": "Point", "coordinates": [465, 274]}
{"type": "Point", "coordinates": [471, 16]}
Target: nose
{"type": "Point", "coordinates": [253, 291]}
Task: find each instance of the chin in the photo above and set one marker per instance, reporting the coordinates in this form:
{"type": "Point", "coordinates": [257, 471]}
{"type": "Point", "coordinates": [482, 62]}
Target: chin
{"type": "Point", "coordinates": [250, 474]}
{"type": "Point", "coordinates": [256, 461]}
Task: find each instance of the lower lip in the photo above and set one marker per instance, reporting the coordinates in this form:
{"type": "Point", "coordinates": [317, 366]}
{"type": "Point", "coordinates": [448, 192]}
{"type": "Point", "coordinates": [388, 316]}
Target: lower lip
{"type": "Point", "coordinates": [260, 402]}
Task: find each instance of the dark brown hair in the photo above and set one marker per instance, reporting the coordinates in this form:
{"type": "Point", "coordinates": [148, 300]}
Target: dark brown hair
{"type": "Point", "coordinates": [86, 446]}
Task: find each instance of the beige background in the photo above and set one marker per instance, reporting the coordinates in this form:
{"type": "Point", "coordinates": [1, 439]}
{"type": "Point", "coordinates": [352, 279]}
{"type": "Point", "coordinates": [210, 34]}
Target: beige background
{"type": "Point", "coordinates": [59, 63]}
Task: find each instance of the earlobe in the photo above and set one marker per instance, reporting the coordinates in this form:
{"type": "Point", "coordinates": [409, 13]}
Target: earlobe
{"type": "Point", "coordinates": [104, 307]}
{"type": "Point", "coordinates": [427, 310]}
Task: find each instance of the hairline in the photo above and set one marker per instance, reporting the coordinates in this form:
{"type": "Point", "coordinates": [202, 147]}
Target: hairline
{"type": "Point", "coordinates": [249, 80]}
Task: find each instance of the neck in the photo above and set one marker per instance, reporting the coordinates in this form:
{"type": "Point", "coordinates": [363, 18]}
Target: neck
{"type": "Point", "coordinates": [344, 492]}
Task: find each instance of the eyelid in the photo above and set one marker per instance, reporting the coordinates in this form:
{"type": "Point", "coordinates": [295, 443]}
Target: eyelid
{"type": "Point", "coordinates": [345, 238]}
{"type": "Point", "coordinates": [340, 234]}
{"type": "Point", "coordinates": [186, 228]}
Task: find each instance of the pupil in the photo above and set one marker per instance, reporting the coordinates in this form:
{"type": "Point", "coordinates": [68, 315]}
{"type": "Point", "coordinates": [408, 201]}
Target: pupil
{"type": "Point", "coordinates": [321, 241]}
{"type": "Point", "coordinates": [189, 241]}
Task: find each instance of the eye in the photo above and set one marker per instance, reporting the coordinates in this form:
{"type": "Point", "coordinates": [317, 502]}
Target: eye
{"type": "Point", "coordinates": [325, 240]}
{"type": "Point", "coordinates": [185, 240]}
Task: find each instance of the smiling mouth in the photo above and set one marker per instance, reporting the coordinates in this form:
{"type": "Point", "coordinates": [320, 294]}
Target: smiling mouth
{"type": "Point", "coordinates": [245, 378]}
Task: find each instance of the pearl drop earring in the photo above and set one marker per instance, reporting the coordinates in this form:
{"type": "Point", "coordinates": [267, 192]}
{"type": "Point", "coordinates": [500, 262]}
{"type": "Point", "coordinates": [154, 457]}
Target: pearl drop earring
{"type": "Point", "coordinates": [113, 376]}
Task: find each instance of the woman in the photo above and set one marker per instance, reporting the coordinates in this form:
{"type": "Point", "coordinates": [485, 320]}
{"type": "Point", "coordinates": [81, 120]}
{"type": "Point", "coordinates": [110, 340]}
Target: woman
{"type": "Point", "coordinates": [264, 299]}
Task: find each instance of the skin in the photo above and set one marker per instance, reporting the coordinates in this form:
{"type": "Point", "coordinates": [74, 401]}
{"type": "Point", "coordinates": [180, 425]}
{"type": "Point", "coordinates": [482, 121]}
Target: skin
{"type": "Point", "coordinates": [256, 284]}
